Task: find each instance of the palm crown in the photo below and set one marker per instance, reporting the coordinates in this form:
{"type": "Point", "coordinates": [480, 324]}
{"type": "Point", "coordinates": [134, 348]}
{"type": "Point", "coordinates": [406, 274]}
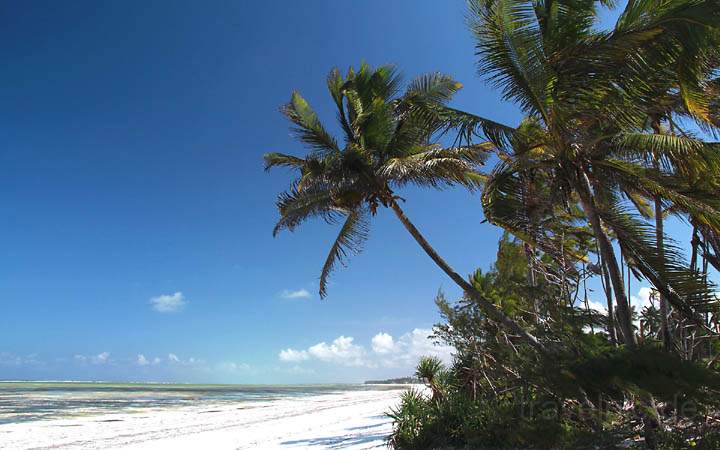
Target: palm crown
{"type": "Point", "coordinates": [388, 143]}
{"type": "Point", "coordinates": [588, 94]}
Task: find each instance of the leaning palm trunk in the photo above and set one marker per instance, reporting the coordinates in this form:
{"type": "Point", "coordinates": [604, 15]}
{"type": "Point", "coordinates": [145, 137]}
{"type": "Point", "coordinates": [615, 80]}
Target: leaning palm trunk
{"type": "Point", "coordinates": [488, 307]}
{"type": "Point", "coordinates": [608, 255]}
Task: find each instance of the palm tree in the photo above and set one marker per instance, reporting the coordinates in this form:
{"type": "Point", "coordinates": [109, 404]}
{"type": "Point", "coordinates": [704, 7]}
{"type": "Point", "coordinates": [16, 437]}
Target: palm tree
{"type": "Point", "coordinates": [589, 90]}
{"type": "Point", "coordinates": [678, 96]}
{"type": "Point", "coordinates": [388, 144]}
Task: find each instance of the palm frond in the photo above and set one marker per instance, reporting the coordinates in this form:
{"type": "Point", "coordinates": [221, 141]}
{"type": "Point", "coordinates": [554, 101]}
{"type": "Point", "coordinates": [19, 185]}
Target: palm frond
{"type": "Point", "coordinates": [509, 44]}
{"type": "Point", "coordinates": [296, 206]}
{"type": "Point", "coordinates": [350, 239]}
{"type": "Point", "coordinates": [308, 128]}
{"type": "Point", "coordinates": [275, 159]}
{"type": "Point", "coordinates": [689, 154]}
{"type": "Point", "coordinates": [686, 291]}
{"type": "Point", "coordinates": [432, 88]}
{"type": "Point", "coordinates": [437, 167]}
{"type": "Point", "coordinates": [682, 198]}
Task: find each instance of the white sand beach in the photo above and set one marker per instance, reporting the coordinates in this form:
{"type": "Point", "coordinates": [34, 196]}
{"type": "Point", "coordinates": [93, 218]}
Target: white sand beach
{"type": "Point", "coordinates": [349, 420]}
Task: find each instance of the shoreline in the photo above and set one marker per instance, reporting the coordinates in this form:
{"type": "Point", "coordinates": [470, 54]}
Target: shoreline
{"type": "Point", "coordinates": [347, 420]}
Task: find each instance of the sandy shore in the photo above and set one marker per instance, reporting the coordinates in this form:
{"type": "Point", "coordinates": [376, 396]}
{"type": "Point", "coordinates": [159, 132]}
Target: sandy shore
{"type": "Point", "coordinates": [350, 420]}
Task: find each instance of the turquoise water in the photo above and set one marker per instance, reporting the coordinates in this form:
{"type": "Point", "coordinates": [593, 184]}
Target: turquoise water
{"type": "Point", "coordinates": [26, 401]}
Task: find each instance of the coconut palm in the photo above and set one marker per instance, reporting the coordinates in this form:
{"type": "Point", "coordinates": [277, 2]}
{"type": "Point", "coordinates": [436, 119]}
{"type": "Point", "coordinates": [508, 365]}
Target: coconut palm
{"type": "Point", "coordinates": [588, 90]}
{"type": "Point", "coordinates": [388, 144]}
{"type": "Point", "coordinates": [678, 97]}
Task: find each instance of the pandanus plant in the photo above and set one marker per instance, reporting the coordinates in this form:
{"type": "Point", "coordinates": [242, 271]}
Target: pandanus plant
{"type": "Point", "coordinates": [389, 142]}
{"type": "Point", "coordinates": [430, 369]}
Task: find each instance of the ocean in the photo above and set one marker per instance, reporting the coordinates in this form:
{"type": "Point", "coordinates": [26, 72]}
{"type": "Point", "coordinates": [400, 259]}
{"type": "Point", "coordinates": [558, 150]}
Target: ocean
{"type": "Point", "coordinates": [30, 401]}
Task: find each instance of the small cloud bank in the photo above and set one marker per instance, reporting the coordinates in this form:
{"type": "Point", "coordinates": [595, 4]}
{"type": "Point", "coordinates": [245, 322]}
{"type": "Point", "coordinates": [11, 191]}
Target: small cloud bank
{"type": "Point", "coordinates": [99, 359]}
{"type": "Point", "coordinates": [11, 359]}
{"type": "Point", "coordinates": [295, 294]}
{"type": "Point", "coordinates": [143, 361]}
{"type": "Point", "coordinates": [291, 355]}
{"type": "Point", "coordinates": [385, 351]}
{"type": "Point", "coordinates": [168, 303]}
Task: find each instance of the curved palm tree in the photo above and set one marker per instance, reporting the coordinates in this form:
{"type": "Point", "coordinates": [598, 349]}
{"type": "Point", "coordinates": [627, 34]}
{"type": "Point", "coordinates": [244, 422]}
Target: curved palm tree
{"type": "Point", "coordinates": [387, 145]}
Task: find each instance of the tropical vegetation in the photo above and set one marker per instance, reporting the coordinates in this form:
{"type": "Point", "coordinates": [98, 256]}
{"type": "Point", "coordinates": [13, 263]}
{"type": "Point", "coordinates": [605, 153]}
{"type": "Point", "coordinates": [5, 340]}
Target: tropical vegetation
{"type": "Point", "coordinates": [617, 137]}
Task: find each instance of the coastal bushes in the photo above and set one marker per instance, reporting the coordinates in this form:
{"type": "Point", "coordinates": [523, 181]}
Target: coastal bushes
{"type": "Point", "coordinates": [500, 393]}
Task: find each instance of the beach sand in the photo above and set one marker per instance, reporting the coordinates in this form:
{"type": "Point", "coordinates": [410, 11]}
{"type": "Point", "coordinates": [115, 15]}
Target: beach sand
{"type": "Point", "coordinates": [349, 420]}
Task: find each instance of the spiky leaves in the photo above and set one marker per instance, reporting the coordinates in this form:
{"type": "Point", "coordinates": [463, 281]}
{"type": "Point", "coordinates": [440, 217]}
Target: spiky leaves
{"type": "Point", "coordinates": [430, 369]}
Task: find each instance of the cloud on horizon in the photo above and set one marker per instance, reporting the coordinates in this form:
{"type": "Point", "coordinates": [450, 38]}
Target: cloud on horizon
{"type": "Point", "coordinates": [101, 358]}
{"type": "Point", "coordinates": [168, 303]}
{"type": "Point", "coordinates": [386, 351]}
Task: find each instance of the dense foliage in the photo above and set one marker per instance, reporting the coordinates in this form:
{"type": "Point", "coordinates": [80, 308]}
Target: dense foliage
{"type": "Point", "coordinates": [499, 393]}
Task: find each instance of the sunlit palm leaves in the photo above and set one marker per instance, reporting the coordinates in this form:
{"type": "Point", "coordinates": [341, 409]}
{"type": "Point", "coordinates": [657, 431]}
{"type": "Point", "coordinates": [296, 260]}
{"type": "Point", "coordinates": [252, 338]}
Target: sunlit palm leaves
{"type": "Point", "coordinates": [388, 143]}
{"type": "Point", "coordinates": [588, 94]}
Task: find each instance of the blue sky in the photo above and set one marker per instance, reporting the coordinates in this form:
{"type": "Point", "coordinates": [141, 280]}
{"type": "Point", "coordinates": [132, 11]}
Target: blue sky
{"type": "Point", "coordinates": [132, 185]}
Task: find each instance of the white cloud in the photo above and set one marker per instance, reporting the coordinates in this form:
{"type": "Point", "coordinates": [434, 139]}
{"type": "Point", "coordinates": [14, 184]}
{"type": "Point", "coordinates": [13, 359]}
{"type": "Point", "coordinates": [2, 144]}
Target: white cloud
{"type": "Point", "coordinates": [233, 367]}
{"type": "Point", "coordinates": [383, 343]}
{"type": "Point", "coordinates": [597, 306]}
{"type": "Point", "coordinates": [290, 355]}
{"type": "Point", "coordinates": [143, 361]}
{"type": "Point", "coordinates": [173, 358]}
{"type": "Point", "coordinates": [168, 303]}
{"type": "Point", "coordinates": [101, 358]}
{"type": "Point", "coordinates": [342, 351]}
{"type": "Point", "coordinates": [642, 299]}
{"type": "Point", "coordinates": [411, 346]}
{"type": "Point", "coordinates": [387, 351]}
{"type": "Point", "coordinates": [11, 359]}
{"type": "Point", "coordinates": [300, 293]}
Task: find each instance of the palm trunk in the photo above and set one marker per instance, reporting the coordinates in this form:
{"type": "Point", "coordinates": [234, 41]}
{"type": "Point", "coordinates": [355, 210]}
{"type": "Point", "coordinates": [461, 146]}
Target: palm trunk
{"type": "Point", "coordinates": [605, 280]}
{"type": "Point", "coordinates": [660, 236]}
{"type": "Point", "coordinates": [608, 255]}
{"type": "Point", "coordinates": [531, 280]}
{"type": "Point", "coordinates": [645, 404]}
{"type": "Point", "coordinates": [529, 250]}
{"type": "Point", "coordinates": [488, 307]}
{"type": "Point", "coordinates": [694, 242]}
